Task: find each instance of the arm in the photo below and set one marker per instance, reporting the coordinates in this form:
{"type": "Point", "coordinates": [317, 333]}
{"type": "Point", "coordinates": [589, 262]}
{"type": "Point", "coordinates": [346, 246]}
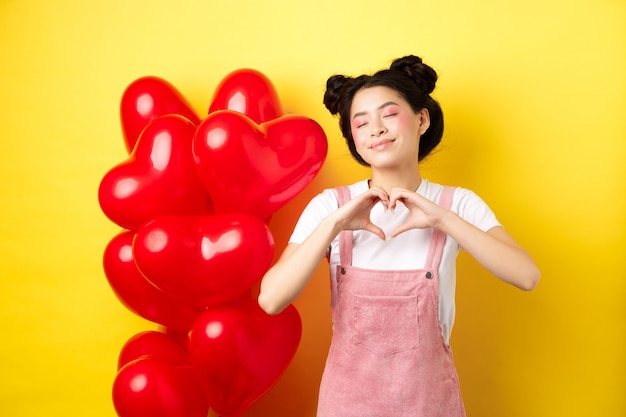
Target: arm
{"type": "Point", "coordinates": [495, 249]}
{"type": "Point", "coordinates": [286, 279]}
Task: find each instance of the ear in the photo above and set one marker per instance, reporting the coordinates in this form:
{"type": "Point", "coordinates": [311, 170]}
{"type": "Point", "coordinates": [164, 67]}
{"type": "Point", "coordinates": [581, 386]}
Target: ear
{"type": "Point", "coordinates": [423, 120]}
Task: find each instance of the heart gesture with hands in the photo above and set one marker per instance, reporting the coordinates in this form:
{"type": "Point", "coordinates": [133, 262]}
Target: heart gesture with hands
{"type": "Point", "coordinates": [423, 213]}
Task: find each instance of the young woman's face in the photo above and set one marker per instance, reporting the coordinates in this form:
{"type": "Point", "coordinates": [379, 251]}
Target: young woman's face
{"type": "Point", "coordinates": [385, 129]}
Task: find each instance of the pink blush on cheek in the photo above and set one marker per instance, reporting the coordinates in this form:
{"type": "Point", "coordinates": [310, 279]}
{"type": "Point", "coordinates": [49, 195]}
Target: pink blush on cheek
{"type": "Point", "coordinates": [402, 120]}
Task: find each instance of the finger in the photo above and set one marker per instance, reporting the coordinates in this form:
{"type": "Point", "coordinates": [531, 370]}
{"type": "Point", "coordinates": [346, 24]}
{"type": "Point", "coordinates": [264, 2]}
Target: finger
{"type": "Point", "coordinates": [402, 192]}
{"type": "Point", "coordinates": [378, 187]}
{"type": "Point", "coordinates": [380, 194]}
{"type": "Point", "coordinates": [398, 195]}
{"type": "Point", "coordinates": [401, 229]}
{"type": "Point", "coordinates": [371, 198]}
{"type": "Point", "coordinates": [376, 230]}
{"type": "Point", "coordinates": [408, 198]}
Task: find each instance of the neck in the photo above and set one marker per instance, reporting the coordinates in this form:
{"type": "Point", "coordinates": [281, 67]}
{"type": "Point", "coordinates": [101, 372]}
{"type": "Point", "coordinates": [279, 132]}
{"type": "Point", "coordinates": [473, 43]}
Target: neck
{"type": "Point", "coordinates": [388, 180]}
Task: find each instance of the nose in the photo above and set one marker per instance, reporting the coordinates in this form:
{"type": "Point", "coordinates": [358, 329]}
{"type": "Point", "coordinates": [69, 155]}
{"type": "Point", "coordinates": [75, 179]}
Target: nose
{"type": "Point", "coordinates": [377, 128]}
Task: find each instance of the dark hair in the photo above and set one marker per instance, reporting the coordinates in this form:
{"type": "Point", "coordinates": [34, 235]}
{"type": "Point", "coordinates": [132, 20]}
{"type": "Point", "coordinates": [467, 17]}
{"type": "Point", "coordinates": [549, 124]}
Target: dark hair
{"type": "Point", "coordinates": [408, 76]}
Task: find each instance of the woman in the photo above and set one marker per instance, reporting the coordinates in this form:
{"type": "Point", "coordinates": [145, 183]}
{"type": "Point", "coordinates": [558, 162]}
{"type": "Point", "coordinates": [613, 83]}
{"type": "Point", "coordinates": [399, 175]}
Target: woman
{"type": "Point", "coordinates": [392, 242]}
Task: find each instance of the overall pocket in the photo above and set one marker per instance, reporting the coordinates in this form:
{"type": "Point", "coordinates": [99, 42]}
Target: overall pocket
{"type": "Point", "coordinates": [385, 325]}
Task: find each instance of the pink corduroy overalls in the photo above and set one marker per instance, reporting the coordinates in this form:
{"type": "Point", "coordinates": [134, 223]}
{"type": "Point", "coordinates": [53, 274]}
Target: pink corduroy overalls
{"type": "Point", "coordinates": [388, 357]}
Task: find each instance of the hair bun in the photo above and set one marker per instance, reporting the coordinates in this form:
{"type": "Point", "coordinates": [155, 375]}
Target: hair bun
{"type": "Point", "coordinates": [332, 96]}
{"type": "Point", "coordinates": [412, 66]}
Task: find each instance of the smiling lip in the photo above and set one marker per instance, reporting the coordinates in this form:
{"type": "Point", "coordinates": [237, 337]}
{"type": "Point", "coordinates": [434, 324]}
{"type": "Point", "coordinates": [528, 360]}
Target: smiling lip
{"type": "Point", "coordinates": [381, 143]}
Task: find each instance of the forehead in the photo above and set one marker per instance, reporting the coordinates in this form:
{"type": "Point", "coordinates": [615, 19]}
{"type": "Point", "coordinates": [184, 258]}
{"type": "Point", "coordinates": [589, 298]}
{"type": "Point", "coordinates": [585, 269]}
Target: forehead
{"type": "Point", "coordinates": [371, 98]}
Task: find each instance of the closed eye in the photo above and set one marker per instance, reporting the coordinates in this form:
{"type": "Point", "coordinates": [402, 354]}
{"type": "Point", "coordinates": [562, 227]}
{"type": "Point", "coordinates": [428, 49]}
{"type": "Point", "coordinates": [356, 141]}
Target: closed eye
{"type": "Point", "coordinates": [360, 122]}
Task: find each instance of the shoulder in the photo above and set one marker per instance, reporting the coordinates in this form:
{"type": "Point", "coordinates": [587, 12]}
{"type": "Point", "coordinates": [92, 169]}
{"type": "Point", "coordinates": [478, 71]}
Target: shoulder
{"type": "Point", "coordinates": [465, 199]}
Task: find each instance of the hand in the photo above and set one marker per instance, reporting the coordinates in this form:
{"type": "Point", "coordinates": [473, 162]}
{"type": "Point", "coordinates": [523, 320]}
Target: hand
{"type": "Point", "coordinates": [355, 214]}
{"type": "Point", "coordinates": [423, 213]}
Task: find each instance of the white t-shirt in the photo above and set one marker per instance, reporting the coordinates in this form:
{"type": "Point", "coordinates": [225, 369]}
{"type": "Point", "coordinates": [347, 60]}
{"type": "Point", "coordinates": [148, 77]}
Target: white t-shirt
{"type": "Point", "coordinates": [406, 251]}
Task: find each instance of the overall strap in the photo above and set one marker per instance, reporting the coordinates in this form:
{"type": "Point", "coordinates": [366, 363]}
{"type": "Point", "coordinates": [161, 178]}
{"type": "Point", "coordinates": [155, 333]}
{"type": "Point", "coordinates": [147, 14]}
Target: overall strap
{"type": "Point", "coordinates": [439, 238]}
{"type": "Point", "coordinates": [345, 236]}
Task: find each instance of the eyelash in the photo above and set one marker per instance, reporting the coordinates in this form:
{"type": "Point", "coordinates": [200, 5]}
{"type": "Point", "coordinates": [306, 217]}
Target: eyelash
{"type": "Point", "coordinates": [384, 116]}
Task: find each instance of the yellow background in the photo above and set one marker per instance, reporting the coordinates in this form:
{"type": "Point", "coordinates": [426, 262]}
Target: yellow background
{"type": "Point", "coordinates": [534, 94]}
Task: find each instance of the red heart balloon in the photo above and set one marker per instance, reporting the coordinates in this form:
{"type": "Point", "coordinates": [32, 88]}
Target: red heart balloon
{"type": "Point", "coordinates": [157, 388]}
{"type": "Point", "coordinates": [139, 295]}
{"type": "Point", "coordinates": [250, 92]}
{"type": "Point", "coordinates": [204, 260]}
{"type": "Point", "coordinates": [144, 100]}
{"type": "Point", "coordinates": [152, 344]}
{"type": "Point", "coordinates": [157, 178]}
{"type": "Point", "coordinates": [240, 352]}
{"type": "Point", "coordinates": [254, 168]}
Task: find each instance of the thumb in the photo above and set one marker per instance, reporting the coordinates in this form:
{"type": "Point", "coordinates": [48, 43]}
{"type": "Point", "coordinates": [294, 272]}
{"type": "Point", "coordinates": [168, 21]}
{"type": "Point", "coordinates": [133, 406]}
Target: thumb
{"type": "Point", "coordinates": [401, 229]}
{"type": "Point", "coordinates": [370, 227]}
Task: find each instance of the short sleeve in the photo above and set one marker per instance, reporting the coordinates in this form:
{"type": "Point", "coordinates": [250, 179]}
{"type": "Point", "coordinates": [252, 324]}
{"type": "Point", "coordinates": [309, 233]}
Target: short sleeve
{"type": "Point", "coordinates": [474, 210]}
{"type": "Point", "coordinates": [318, 208]}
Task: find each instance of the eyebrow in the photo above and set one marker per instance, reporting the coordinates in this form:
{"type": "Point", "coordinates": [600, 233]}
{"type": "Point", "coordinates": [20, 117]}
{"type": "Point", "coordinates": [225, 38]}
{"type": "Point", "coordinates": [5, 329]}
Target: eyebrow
{"type": "Point", "coordinates": [382, 106]}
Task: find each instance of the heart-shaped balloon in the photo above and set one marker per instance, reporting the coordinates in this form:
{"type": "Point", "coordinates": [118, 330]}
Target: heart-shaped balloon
{"type": "Point", "coordinates": [204, 260]}
{"type": "Point", "coordinates": [144, 100]}
{"type": "Point", "coordinates": [152, 344]}
{"type": "Point", "coordinates": [250, 92]}
{"type": "Point", "coordinates": [158, 388]}
{"type": "Point", "coordinates": [139, 295]}
{"type": "Point", "coordinates": [158, 177]}
{"type": "Point", "coordinates": [257, 169]}
{"type": "Point", "coordinates": [240, 352]}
